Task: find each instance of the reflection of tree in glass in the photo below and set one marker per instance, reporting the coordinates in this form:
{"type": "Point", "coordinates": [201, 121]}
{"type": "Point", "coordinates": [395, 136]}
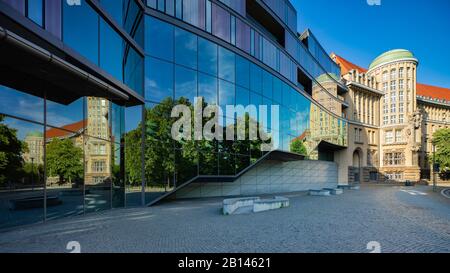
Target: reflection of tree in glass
{"type": "Point", "coordinates": [298, 146]}
{"type": "Point", "coordinates": [64, 160]}
{"type": "Point", "coordinates": [167, 160]}
{"type": "Point", "coordinates": [11, 149]}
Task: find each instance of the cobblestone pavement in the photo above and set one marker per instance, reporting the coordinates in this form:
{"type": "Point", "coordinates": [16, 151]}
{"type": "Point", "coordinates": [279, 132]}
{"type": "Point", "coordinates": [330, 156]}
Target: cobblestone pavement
{"type": "Point", "coordinates": [401, 219]}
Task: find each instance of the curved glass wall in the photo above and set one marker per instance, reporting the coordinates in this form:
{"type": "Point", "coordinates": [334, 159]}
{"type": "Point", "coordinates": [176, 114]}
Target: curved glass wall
{"type": "Point", "coordinates": [246, 36]}
{"type": "Point", "coordinates": [188, 66]}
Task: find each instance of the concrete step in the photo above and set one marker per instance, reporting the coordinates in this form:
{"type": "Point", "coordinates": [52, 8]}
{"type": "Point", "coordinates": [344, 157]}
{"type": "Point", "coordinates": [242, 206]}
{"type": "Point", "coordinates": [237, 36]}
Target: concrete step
{"type": "Point", "coordinates": [319, 192]}
{"type": "Point", "coordinates": [335, 191]}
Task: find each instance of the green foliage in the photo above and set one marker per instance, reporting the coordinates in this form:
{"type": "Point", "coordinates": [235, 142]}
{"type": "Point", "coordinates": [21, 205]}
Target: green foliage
{"type": "Point", "coordinates": [298, 146]}
{"type": "Point", "coordinates": [441, 139]}
{"type": "Point", "coordinates": [11, 150]}
{"type": "Point", "coordinates": [64, 160]}
{"type": "Point", "coordinates": [166, 159]}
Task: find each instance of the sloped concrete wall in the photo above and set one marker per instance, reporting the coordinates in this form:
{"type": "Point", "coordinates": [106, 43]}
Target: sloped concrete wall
{"type": "Point", "coordinates": [270, 177]}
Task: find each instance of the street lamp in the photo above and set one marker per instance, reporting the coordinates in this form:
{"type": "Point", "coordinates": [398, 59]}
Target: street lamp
{"type": "Point", "coordinates": [32, 173]}
{"type": "Point", "coordinates": [435, 168]}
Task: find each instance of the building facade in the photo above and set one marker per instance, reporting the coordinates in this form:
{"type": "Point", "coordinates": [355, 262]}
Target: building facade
{"type": "Point", "coordinates": [91, 102]}
{"type": "Point", "coordinates": [392, 119]}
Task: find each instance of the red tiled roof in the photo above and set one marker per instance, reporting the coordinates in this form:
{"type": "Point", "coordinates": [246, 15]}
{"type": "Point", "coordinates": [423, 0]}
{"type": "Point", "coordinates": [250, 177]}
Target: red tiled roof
{"type": "Point", "coordinates": [433, 91]}
{"type": "Point", "coordinates": [424, 90]}
{"type": "Point", "coordinates": [345, 65]}
{"type": "Point", "coordinates": [66, 130]}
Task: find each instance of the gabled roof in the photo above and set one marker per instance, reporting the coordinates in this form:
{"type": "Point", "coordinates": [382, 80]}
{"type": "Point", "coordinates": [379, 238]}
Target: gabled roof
{"type": "Point", "coordinates": [424, 90]}
{"type": "Point", "coordinates": [66, 130]}
{"type": "Point", "coordinates": [345, 65]}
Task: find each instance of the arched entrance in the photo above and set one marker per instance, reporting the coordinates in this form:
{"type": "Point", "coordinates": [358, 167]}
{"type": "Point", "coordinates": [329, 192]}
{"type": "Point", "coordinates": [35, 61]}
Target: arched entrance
{"type": "Point", "coordinates": [356, 167]}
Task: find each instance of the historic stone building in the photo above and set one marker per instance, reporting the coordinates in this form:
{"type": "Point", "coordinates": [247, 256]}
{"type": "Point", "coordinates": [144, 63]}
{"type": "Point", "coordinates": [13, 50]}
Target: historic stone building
{"type": "Point", "coordinates": [391, 119]}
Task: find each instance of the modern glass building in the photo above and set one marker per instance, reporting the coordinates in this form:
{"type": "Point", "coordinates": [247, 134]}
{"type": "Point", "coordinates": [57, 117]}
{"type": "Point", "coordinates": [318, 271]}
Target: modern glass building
{"type": "Point", "coordinates": [87, 89]}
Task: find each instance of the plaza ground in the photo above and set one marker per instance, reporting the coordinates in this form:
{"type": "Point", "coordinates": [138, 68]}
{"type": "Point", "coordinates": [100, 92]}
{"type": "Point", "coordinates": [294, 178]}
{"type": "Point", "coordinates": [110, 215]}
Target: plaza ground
{"type": "Point", "coordinates": [401, 219]}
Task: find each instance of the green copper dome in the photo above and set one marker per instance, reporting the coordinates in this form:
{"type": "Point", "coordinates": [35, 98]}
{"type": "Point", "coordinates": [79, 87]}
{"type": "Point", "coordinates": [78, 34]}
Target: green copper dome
{"type": "Point", "coordinates": [35, 134]}
{"type": "Point", "coordinates": [391, 56]}
{"type": "Point", "coordinates": [326, 78]}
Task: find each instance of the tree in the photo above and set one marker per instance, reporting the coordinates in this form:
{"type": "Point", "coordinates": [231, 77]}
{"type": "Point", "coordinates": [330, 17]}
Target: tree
{"type": "Point", "coordinates": [11, 150]}
{"type": "Point", "coordinates": [298, 146]}
{"type": "Point", "coordinates": [441, 139]}
{"type": "Point", "coordinates": [64, 160]}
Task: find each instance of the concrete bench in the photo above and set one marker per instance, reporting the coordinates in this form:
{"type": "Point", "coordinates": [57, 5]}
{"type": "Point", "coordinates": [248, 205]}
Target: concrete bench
{"type": "Point", "coordinates": [33, 202]}
{"type": "Point", "coordinates": [319, 193]}
{"type": "Point", "coordinates": [349, 187]}
{"type": "Point", "coordinates": [270, 204]}
{"type": "Point", "coordinates": [231, 205]}
{"type": "Point", "coordinates": [253, 204]}
{"type": "Point", "coordinates": [335, 191]}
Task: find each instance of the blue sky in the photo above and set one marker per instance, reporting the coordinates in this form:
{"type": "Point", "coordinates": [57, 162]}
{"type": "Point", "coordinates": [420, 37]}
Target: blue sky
{"type": "Point", "coordinates": [359, 32]}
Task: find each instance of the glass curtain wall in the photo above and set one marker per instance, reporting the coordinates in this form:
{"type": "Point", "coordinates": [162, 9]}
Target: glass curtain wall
{"type": "Point", "coordinates": [71, 151]}
{"type": "Point", "coordinates": [180, 66]}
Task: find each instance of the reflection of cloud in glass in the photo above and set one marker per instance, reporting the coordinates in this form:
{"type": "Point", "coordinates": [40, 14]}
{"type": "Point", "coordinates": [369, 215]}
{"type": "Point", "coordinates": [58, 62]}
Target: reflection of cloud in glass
{"type": "Point", "coordinates": [23, 128]}
{"type": "Point", "coordinates": [60, 115]}
{"type": "Point", "coordinates": [22, 105]}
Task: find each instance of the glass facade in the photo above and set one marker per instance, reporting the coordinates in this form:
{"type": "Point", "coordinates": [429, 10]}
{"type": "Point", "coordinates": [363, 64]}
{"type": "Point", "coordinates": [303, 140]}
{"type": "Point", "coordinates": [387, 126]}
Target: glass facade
{"type": "Point", "coordinates": [72, 153]}
{"type": "Point", "coordinates": [195, 67]}
{"type": "Point", "coordinates": [93, 154]}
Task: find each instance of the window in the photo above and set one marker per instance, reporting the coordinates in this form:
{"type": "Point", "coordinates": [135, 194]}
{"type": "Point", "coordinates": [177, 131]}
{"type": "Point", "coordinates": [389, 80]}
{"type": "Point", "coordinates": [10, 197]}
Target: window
{"type": "Point", "coordinates": [393, 119]}
{"type": "Point", "coordinates": [385, 87]}
{"type": "Point", "coordinates": [179, 9]}
{"type": "Point", "coordinates": [400, 72]}
{"type": "Point", "coordinates": [242, 72]}
{"type": "Point", "coordinates": [35, 11]}
{"type": "Point", "coordinates": [385, 76]}
{"type": "Point", "coordinates": [81, 35]}
{"type": "Point", "coordinates": [385, 109]}
{"type": "Point", "coordinates": [400, 96]}
{"type": "Point", "coordinates": [160, 39]}
{"type": "Point", "coordinates": [227, 65]}
{"type": "Point", "coordinates": [386, 120]}
{"type": "Point", "coordinates": [185, 48]}
{"type": "Point", "coordinates": [158, 79]}
{"type": "Point", "coordinates": [98, 166]}
{"type": "Point", "coordinates": [393, 108]}
{"type": "Point", "coordinates": [393, 158]}
{"type": "Point", "coordinates": [401, 107]}
{"type": "Point", "coordinates": [207, 57]}
{"type": "Point", "coordinates": [185, 83]}
{"type": "Point", "coordinates": [398, 136]}
{"type": "Point", "coordinates": [221, 23]}
{"type": "Point", "coordinates": [393, 85]}
{"type": "Point", "coordinates": [207, 88]}
{"type": "Point", "coordinates": [111, 51]}
{"type": "Point", "coordinates": [233, 30]}
{"type": "Point", "coordinates": [400, 84]}
{"type": "Point", "coordinates": [393, 97]}
{"type": "Point", "coordinates": [401, 118]}
{"type": "Point", "coordinates": [389, 138]}
{"type": "Point", "coordinates": [208, 16]}
{"type": "Point", "coordinates": [393, 74]}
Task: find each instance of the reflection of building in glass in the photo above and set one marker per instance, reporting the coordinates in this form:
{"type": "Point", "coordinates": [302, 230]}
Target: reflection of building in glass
{"type": "Point", "coordinates": [392, 119]}
{"type": "Point", "coordinates": [35, 148]}
{"type": "Point", "coordinates": [97, 151]}
{"type": "Point", "coordinates": [93, 93]}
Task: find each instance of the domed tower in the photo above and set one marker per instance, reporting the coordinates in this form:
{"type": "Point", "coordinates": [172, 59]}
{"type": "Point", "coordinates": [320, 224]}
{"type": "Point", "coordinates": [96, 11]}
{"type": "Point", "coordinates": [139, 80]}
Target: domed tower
{"type": "Point", "coordinates": [400, 134]}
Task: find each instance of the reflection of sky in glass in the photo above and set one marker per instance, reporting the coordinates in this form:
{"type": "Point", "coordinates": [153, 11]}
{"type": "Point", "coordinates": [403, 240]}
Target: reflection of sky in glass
{"type": "Point", "coordinates": [21, 105]}
{"type": "Point", "coordinates": [23, 128]}
{"type": "Point", "coordinates": [132, 118]}
{"type": "Point", "coordinates": [60, 115]}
